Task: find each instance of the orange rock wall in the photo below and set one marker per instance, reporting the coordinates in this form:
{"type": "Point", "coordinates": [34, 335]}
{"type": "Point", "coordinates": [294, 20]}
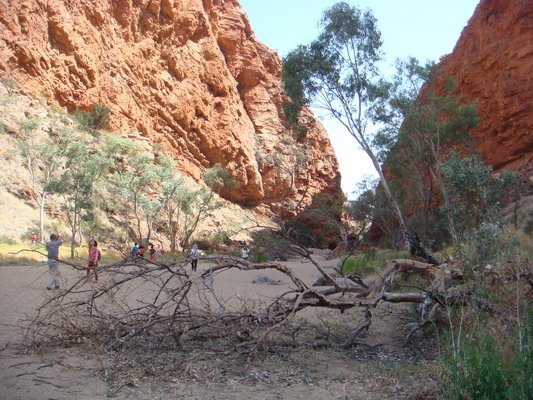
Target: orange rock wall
{"type": "Point", "coordinates": [188, 74]}
{"type": "Point", "coordinates": [492, 63]}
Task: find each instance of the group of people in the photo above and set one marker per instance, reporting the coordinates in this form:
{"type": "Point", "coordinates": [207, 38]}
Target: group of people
{"type": "Point", "coordinates": [94, 256]}
{"type": "Point", "coordinates": [140, 252]}
{"type": "Point", "coordinates": [52, 249]}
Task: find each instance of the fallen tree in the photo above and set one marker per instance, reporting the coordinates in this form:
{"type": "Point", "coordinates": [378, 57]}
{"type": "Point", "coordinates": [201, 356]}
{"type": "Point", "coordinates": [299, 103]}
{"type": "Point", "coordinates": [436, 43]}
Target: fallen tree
{"type": "Point", "coordinates": [163, 306]}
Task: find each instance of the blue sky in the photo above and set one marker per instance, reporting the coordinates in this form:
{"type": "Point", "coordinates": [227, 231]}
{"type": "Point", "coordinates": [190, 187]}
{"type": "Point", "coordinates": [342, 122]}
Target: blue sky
{"type": "Point", "coordinates": [425, 29]}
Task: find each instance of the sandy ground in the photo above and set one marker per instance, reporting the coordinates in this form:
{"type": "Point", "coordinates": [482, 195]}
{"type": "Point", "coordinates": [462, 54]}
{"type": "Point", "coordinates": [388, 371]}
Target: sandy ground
{"type": "Point", "coordinates": [79, 373]}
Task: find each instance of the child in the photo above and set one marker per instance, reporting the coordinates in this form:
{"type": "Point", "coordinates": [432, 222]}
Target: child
{"type": "Point", "coordinates": [152, 252]}
{"type": "Point", "coordinates": [135, 250]}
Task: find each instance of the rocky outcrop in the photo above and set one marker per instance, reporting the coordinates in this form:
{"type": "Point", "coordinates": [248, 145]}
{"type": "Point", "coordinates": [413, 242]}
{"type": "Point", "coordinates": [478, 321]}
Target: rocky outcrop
{"type": "Point", "coordinates": [492, 63]}
{"type": "Point", "coordinates": [187, 74]}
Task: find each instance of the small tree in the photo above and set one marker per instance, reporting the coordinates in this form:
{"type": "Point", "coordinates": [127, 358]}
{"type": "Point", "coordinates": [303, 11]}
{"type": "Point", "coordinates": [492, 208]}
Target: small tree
{"type": "Point", "coordinates": [420, 127]}
{"type": "Point", "coordinates": [43, 160]}
{"type": "Point", "coordinates": [84, 165]}
{"type": "Point", "coordinates": [372, 210]}
{"type": "Point", "coordinates": [96, 119]}
{"type": "Point", "coordinates": [217, 177]}
{"type": "Point", "coordinates": [196, 205]}
{"type": "Point", "coordinates": [174, 194]}
{"type": "Point", "coordinates": [472, 191]}
{"type": "Point", "coordinates": [135, 181]}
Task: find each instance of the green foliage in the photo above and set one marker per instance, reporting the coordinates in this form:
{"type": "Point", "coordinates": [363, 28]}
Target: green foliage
{"type": "Point", "coordinates": [300, 232]}
{"type": "Point", "coordinates": [7, 240]}
{"type": "Point", "coordinates": [486, 244]}
{"type": "Point", "coordinates": [325, 212]}
{"type": "Point", "coordinates": [217, 177]}
{"type": "Point", "coordinates": [43, 160]}
{"type": "Point", "coordinates": [292, 76]}
{"type": "Point", "coordinates": [362, 265]}
{"type": "Point", "coordinates": [84, 164]}
{"type": "Point", "coordinates": [96, 119]}
{"type": "Point", "coordinates": [337, 72]}
{"type": "Point", "coordinates": [472, 191]}
{"type": "Point", "coordinates": [372, 208]}
{"type": "Point", "coordinates": [259, 257]}
{"type": "Point", "coordinates": [370, 262]}
{"type": "Point", "coordinates": [218, 239]}
{"type": "Point", "coordinates": [519, 382]}
{"type": "Point", "coordinates": [137, 182]}
{"type": "Point", "coordinates": [29, 125]}
{"type": "Point", "coordinates": [478, 370]}
{"type": "Point", "coordinates": [512, 189]}
{"type": "Point", "coordinates": [417, 129]}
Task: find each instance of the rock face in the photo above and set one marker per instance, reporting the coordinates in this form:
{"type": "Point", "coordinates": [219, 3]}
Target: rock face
{"type": "Point", "coordinates": [492, 63]}
{"type": "Point", "coordinates": [188, 74]}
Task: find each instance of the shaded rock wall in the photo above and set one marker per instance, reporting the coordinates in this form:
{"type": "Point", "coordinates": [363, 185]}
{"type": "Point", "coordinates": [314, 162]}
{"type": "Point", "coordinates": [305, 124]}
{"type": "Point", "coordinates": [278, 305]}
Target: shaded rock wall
{"type": "Point", "coordinates": [187, 74]}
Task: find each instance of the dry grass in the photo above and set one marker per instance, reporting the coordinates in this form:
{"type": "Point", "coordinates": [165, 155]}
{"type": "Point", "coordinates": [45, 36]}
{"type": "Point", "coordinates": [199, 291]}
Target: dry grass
{"type": "Point", "coordinates": [16, 253]}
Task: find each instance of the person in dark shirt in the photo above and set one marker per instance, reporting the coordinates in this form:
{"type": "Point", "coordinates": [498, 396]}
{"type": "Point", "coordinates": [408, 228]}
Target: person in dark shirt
{"type": "Point", "coordinates": [193, 255]}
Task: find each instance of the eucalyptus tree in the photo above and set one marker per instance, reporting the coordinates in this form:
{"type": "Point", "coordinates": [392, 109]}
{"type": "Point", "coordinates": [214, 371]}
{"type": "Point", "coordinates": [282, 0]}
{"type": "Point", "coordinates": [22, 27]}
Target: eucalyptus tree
{"type": "Point", "coordinates": [135, 182]}
{"type": "Point", "coordinates": [174, 194]}
{"type": "Point", "coordinates": [422, 120]}
{"type": "Point", "coordinates": [76, 183]}
{"type": "Point", "coordinates": [43, 158]}
{"type": "Point", "coordinates": [337, 73]}
{"type": "Point", "coordinates": [196, 205]}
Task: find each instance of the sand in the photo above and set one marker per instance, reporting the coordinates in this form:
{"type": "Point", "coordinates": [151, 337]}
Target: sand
{"type": "Point", "coordinates": [78, 373]}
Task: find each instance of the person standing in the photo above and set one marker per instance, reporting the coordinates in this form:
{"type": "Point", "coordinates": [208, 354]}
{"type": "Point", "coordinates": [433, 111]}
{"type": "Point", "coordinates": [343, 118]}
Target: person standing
{"type": "Point", "coordinates": [152, 253]}
{"type": "Point", "coordinates": [245, 253]}
{"type": "Point", "coordinates": [33, 238]}
{"type": "Point", "coordinates": [194, 257]}
{"type": "Point", "coordinates": [94, 258]}
{"type": "Point", "coordinates": [52, 248]}
{"type": "Point", "coordinates": [135, 250]}
{"type": "Point", "coordinates": [158, 253]}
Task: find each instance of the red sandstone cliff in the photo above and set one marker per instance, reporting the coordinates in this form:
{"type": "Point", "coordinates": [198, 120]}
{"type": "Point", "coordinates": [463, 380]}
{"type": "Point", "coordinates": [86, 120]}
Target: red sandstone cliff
{"type": "Point", "coordinates": [492, 63]}
{"type": "Point", "coordinates": [188, 74]}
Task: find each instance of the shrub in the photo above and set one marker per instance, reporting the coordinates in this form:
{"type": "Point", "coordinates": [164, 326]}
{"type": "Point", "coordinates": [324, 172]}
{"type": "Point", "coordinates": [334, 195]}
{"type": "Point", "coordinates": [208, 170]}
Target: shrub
{"type": "Point", "coordinates": [220, 238]}
{"type": "Point", "coordinates": [362, 265]}
{"type": "Point", "coordinates": [477, 368]}
{"type": "Point", "coordinates": [7, 240]}
{"type": "Point", "coordinates": [368, 263]}
{"type": "Point", "coordinates": [29, 125]}
{"type": "Point", "coordinates": [484, 245]}
{"type": "Point", "coordinates": [259, 257]}
{"type": "Point", "coordinates": [10, 84]}
{"type": "Point", "coordinates": [217, 177]}
{"type": "Point", "coordinates": [96, 119]}
{"type": "Point", "coordinates": [475, 371]}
